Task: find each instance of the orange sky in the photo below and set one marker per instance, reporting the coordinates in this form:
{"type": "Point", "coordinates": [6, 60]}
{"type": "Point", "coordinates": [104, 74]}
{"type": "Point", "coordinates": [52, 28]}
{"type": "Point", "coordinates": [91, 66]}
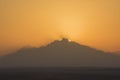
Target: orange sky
{"type": "Point", "coordinates": [38, 22]}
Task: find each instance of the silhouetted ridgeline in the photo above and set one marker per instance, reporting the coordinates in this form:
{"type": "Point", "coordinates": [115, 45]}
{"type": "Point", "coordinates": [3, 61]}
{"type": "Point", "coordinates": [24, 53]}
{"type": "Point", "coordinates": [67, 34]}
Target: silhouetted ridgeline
{"type": "Point", "coordinates": [61, 54]}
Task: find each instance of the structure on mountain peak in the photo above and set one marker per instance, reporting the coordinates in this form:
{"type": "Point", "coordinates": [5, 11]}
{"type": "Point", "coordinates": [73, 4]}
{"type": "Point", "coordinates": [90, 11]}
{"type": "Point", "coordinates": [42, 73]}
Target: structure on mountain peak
{"type": "Point", "coordinates": [65, 40]}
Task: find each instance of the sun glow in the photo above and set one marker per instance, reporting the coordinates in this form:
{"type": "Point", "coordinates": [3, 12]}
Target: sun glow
{"type": "Point", "coordinates": [69, 40]}
{"type": "Point", "coordinates": [70, 27]}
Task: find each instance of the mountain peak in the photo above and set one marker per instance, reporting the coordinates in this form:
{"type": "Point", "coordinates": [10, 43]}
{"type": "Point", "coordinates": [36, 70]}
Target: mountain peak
{"type": "Point", "coordinates": [65, 40]}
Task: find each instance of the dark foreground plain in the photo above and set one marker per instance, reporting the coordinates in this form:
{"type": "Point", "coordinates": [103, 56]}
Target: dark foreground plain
{"type": "Point", "coordinates": [60, 74]}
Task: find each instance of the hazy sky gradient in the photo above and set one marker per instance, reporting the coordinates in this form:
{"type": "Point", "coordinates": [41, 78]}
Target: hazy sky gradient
{"type": "Point", "coordinates": [95, 23]}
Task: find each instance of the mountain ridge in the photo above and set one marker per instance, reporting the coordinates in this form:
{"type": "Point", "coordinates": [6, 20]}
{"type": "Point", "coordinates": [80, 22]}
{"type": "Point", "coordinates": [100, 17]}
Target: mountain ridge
{"type": "Point", "coordinates": [61, 53]}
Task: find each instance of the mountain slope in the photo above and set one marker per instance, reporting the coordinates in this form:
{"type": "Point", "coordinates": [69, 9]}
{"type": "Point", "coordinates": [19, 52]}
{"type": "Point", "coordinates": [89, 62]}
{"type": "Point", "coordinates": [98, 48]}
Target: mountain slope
{"type": "Point", "coordinates": [60, 54]}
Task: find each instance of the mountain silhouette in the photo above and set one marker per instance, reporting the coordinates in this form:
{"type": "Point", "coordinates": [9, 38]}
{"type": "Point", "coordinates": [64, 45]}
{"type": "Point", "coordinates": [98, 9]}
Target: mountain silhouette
{"type": "Point", "coordinates": [60, 54]}
{"type": "Point", "coordinates": [117, 52]}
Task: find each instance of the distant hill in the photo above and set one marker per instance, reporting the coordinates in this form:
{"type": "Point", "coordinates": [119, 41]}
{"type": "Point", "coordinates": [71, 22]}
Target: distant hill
{"type": "Point", "coordinates": [117, 52]}
{"type": "Point", "coordinates": [61, 54]}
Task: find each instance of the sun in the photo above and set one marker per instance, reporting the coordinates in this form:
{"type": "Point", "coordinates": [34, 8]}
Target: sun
{"type": "Point", "coordinates": [69, 40]}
